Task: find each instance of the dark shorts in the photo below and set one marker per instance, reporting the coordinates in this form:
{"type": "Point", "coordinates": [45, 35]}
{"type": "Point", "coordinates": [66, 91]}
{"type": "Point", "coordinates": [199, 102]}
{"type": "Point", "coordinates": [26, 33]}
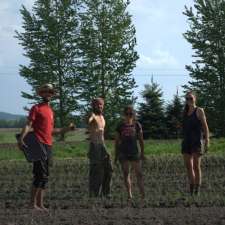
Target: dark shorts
{"type": "Point", "coordinates": [41, 168]}
{"type": "Point", "coordinates": [187, 148]}
{"type": "Point", "coordinates": [129, 157]}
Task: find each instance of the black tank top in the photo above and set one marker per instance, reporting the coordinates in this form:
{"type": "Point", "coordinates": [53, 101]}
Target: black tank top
{"type": "Point", "coordinates": [192, 128]}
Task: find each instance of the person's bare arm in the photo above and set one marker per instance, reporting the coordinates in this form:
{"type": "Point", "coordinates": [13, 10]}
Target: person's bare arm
{"type": "Point", "coordinates": [92, 119]}
{"type": "Point", "coordinates": [141, 142]}
{"type": "Point", "coordinates": [64, 130]}
{"type": "Point", "coordinates": [24, 132]}
{"type": "Point", "coordinates": [202, 118]}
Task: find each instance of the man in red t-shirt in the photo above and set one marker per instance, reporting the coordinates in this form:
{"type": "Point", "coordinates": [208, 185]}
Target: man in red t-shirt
{"type": "Point", "coordinates": [41, 119]}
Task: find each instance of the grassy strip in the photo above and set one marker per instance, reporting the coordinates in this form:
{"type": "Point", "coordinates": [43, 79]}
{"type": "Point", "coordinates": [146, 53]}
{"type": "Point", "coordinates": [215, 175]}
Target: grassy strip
{"type": "Point", "coordinates": [80, 149]}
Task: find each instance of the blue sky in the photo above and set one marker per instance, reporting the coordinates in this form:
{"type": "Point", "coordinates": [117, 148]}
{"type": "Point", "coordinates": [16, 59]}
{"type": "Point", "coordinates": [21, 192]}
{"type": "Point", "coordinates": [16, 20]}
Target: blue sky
{"type": "Point", "coordinates": [162, 49]}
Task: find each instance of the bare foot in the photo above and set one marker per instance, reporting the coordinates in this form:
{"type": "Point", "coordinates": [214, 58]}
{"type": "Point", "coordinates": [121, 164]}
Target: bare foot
{"type": "Point", "coordinates": [129, 201]}
{"type": "Point", "coordinates": [35, 207]}
{"type": "Point", "coordinates": [142, 203]}
{"type": "Point", "coordinates": [44, 209]}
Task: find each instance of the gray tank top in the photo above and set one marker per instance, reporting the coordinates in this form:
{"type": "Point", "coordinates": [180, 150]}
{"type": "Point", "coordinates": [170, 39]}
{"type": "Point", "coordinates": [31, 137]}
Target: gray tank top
{"type": "Point", "coordinates": [128, 136]}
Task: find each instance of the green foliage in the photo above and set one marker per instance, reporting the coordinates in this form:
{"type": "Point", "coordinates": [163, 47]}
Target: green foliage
{"type": "Point", "coordinates": [19, 123]}
{"type": "Point", "coordinates": [9, 116]}
{"type": "Point", "coordinates": [107, 50]}
{"type": "Point", "coordinates": [151, 112]}
{"type": "Point", "coordinates": [174, 117]}
{"type": "Point", "coordinates": [206, 34]}
{"type": "Point", "coordinates": [49, 42]}
{"type": "Point", "coordinates": [85, 48]}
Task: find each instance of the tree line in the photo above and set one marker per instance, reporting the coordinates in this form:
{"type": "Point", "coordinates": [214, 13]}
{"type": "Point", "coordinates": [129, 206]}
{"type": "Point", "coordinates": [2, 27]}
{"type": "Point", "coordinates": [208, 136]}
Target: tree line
{"type": "Point", "coordinates": [87, 48]}
{"type": "Point", "coordinates": [18, 123]}
{"type": "Point", "coordinates": [160, 119]}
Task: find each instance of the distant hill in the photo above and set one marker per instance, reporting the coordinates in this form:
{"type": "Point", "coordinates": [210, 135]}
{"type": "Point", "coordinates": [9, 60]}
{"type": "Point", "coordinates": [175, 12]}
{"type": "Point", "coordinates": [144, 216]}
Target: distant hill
{"type": "Point", "coordinates": [9, 116]}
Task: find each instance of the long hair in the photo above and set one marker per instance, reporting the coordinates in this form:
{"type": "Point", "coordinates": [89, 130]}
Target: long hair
{"type": "Point", "coordinates": [186, 107]}
{"type": "Point", "coordinates": [130, 107]}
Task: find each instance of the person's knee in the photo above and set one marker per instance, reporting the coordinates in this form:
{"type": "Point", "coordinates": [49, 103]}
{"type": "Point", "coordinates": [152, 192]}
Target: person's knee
{"type": "Point", "coordinates": [189, 166]}
{"type": "Point", "coordinates": [108, 169]}
{"type": "Point", "coordinates": [197, 168]}
{"type": "Point", "coordinates": [139, 175]}
{"type": "Point", "coordinates": [40, 182]}
{"type": "Point", "coordinates": [126, 175]}
{"type": "Point", "coordinates": [96, 169]}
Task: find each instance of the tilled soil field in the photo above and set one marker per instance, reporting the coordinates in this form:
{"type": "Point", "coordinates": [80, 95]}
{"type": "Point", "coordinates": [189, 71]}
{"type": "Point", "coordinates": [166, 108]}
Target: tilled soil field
{"type": "Point", "coordinates": [167, 201]}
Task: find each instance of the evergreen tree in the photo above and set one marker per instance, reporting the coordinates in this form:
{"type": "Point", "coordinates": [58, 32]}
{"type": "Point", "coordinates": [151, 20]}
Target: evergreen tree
{"type": "Point", "coordinates": [206, 34]}
{"type": "Point", "coordinates": [151, 113]}
{"type": "Point", "coordinates": [49, 41]}
{"type": "Point", "coordinates": [174, 117]}
{"type": "Point", "coordinates": [107, 50]}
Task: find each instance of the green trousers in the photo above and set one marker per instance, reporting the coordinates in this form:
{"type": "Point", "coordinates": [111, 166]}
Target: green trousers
{"type": "Point", "coordinates": [100, 171]}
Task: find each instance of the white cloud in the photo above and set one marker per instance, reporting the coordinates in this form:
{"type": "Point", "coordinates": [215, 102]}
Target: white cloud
{"type": "Point", "coordinates": [8, 32]}
{"type": "Point", "coordinates": [159, 25]}
{"type": "Point", "coordinates": [28, 4]}
{"type": "Point", "coordinates": [148, 10]}
{"type": "Point", "coordinates": [10, 20]}
{"type": "Point", "coordinates": [4, 5]}
{"type": "Point", "coordinates": [157, 59]}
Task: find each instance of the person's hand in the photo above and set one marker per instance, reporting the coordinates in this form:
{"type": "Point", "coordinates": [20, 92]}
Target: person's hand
{"type": "Point", "coordinates": [72, 126]}
{"type": "Point", "coordinates": [207, 145]}
{"type": "Point", "coordinates": [143, 158]}
{"type": "Point", "coordinates": [92, 117]}
{"type": "Point", "coordinates": [21, 144]}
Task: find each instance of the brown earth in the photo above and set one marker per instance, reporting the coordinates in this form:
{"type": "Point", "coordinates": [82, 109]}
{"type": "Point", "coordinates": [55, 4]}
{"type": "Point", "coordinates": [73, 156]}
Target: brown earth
{"type": "Point", "coordinates": [116, 216]}
{"type": "Point", "coordinates": [167, 200]}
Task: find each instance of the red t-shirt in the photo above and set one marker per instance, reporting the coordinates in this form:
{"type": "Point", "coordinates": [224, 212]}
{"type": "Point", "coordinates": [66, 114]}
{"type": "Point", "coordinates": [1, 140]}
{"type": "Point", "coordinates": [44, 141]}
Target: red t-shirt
{"type": "Point", "coordinates": [42, 117]}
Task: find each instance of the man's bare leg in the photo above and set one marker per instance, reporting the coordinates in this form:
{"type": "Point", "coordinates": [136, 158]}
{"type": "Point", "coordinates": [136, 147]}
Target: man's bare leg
{"type": "Point", "coordinates": [34, 194]}
{"type": "Point", "coordinates": [40, 199]}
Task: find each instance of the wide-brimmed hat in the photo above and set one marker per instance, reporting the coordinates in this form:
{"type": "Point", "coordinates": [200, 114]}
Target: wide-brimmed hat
{"type": "Point", "coordinates": [46, 87]}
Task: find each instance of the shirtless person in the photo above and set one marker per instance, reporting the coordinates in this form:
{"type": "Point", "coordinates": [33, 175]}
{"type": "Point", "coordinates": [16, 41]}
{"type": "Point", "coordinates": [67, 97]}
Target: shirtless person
{"type": "Point", "coordinates": [100, 172]}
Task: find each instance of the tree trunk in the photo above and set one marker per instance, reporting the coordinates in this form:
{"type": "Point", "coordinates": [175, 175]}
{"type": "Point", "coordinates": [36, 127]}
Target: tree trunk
{"type": "Point", "coordinates": [61, 105]}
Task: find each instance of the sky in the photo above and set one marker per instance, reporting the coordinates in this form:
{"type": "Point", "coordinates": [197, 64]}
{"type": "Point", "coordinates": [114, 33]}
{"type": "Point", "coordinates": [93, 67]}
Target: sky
{"type": "Point", "coordinates": [162, 49]}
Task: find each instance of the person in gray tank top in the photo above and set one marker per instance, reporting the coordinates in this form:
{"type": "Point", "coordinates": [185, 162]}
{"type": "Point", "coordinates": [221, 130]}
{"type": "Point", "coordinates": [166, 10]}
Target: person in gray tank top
{"type": "Point", "coordinates": [195, 141]}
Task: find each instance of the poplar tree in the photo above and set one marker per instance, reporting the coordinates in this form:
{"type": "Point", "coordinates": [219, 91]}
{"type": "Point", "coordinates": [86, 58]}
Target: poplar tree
{"type": "Point", "coordinates": [49, 40]}
{"type": "Point", "coordinates": [206, 34]}
{"type": "Point", "coordinates": [108, 56]}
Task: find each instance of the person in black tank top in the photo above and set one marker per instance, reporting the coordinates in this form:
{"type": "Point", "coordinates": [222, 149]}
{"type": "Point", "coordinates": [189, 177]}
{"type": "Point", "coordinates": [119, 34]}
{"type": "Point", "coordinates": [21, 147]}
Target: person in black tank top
{"type": "Point", "coordinates": [128, 133]}
{"type": "Point", "coordinates": [193, 146]}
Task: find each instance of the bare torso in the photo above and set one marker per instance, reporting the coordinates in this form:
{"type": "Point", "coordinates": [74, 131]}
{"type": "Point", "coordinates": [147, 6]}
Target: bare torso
{"type": "Point", "coordinates": [96, 128]}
